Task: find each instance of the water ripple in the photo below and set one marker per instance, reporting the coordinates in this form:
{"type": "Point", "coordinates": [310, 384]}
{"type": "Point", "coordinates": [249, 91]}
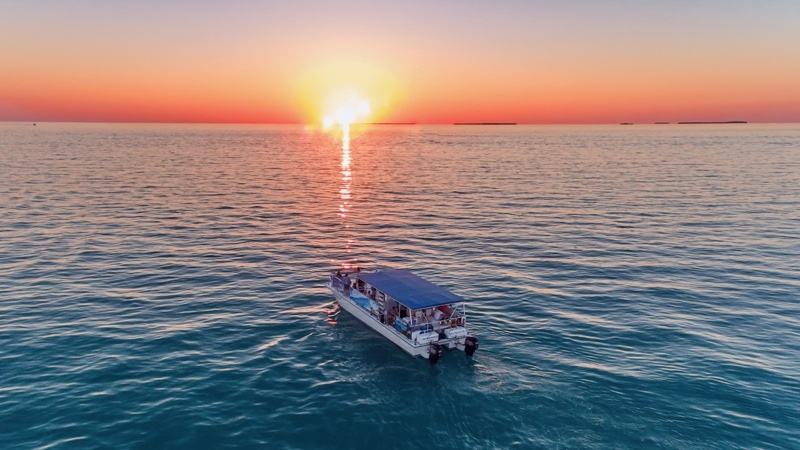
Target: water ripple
{"type": "Point", "coordinates": [162, 286]}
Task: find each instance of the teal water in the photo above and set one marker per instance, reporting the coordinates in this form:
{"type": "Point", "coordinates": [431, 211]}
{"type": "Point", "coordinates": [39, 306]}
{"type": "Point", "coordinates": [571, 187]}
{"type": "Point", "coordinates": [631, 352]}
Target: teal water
{"type": "Point", "coordinates": [161, 286]}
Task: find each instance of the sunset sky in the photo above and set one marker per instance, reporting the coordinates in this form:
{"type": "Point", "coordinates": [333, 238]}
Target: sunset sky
{"type": "Point", "coordinates": [422, 61]}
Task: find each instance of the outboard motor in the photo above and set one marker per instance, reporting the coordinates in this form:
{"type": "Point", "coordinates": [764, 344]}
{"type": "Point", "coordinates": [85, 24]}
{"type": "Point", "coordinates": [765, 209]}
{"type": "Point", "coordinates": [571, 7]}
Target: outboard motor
{"type": "Point", "coordinates": [434, 352]}
{"type": "Point", "coordinates": [470, 345]}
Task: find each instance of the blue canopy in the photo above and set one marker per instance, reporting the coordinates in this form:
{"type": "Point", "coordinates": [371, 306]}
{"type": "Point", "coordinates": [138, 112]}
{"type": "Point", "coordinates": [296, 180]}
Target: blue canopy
{"type": "Point", "coordinates": [409, 289]}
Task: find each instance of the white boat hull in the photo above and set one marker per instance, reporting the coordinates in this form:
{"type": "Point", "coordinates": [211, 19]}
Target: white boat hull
{"type": "Point", "coordinates": [411, 347]}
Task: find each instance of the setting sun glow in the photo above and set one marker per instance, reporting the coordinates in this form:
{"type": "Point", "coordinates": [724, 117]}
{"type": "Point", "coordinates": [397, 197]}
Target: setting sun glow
{"type": "Point", "coordinates": [347, 113]}
{"type": "Point", "coordinates": [427, 63]}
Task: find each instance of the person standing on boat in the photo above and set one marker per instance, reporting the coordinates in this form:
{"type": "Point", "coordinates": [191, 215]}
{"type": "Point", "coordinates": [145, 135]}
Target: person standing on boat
{"type": "Point", "coordinates": [346, 283]}
{"type": "Point", "coordinates": [337, 279]}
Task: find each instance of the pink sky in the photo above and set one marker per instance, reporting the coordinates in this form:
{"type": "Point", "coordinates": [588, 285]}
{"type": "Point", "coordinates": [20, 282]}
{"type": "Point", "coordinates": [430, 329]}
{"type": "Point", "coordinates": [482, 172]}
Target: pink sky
{"type": "Point", "coordinates": [428, 62]}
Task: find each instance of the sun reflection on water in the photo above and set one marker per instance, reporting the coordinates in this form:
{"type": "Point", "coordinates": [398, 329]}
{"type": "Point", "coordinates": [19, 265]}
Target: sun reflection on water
{"type": "Point", "coordinates": [345, 194]}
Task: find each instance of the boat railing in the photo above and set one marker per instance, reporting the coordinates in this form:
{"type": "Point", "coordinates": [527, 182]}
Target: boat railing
{"type": "Point", "coordinates": [454, 318]}
{"type": "Point", "coordinates": [445, 323]}
{"type": "Point", "coordinates": [339, 284]}
{"type": "Point", "coordinates": [437, 325]}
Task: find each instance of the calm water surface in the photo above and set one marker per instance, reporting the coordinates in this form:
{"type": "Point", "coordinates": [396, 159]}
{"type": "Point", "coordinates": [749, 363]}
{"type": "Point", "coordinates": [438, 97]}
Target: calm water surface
{"type": "Point", "coordinates": [161, 286]}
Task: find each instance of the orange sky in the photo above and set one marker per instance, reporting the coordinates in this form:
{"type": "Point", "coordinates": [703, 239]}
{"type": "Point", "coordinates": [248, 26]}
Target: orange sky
{"type": "Point", "coordinates": [519, 61]}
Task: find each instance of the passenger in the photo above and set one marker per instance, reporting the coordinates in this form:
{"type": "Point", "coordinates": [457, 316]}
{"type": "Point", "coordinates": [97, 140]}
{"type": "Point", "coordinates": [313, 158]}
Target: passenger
{"type": "Point", "coordinates": [338, 274]}
{"type": "Point", "coordinates": [346, 282]}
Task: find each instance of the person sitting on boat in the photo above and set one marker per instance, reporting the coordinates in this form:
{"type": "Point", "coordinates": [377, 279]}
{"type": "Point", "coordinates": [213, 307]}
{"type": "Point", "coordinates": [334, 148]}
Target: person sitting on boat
{"type": "Point", "coordinates": [391, 316]}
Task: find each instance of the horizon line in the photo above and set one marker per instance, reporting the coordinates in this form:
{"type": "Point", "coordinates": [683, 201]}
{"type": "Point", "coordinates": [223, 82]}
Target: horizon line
{"type": "Point", "coordinates": [377, 123]}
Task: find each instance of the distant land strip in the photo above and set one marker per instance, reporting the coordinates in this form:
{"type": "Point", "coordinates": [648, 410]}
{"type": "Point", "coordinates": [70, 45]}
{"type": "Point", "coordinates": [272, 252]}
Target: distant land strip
{"type": "Point", "coordinates": [689, 123]}
{"type": "Point", "coordinates": [485, 123]}
{"type": "Point", "coordinates": [704, 123]}
{"type": "Point", "coordinates": [385, 123]}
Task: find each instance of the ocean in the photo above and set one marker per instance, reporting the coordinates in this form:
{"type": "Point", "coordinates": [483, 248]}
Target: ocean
{"type": "Point", "coordinates": [162, 286]}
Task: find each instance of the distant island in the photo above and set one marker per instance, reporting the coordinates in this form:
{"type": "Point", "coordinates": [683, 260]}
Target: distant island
{"type": "Point", "coordinates": [690, 123]}
{"type": "Point", "coordinates": [704, 123]}
{"type": "Point", "coordinates": [485, 123]}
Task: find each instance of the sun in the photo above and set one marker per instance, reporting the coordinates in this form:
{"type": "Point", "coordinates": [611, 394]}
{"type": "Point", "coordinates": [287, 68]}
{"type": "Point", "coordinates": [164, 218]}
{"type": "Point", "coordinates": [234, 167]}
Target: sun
{"type": "Point", "coordinates": [340, 90]}
{"type": "Point", "coordinates": [346, 111]}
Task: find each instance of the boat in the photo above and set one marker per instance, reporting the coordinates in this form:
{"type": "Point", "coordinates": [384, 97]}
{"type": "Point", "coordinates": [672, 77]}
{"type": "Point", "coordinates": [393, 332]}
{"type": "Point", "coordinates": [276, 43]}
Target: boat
{"type": "Point", "coordinates": [418, 316]}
